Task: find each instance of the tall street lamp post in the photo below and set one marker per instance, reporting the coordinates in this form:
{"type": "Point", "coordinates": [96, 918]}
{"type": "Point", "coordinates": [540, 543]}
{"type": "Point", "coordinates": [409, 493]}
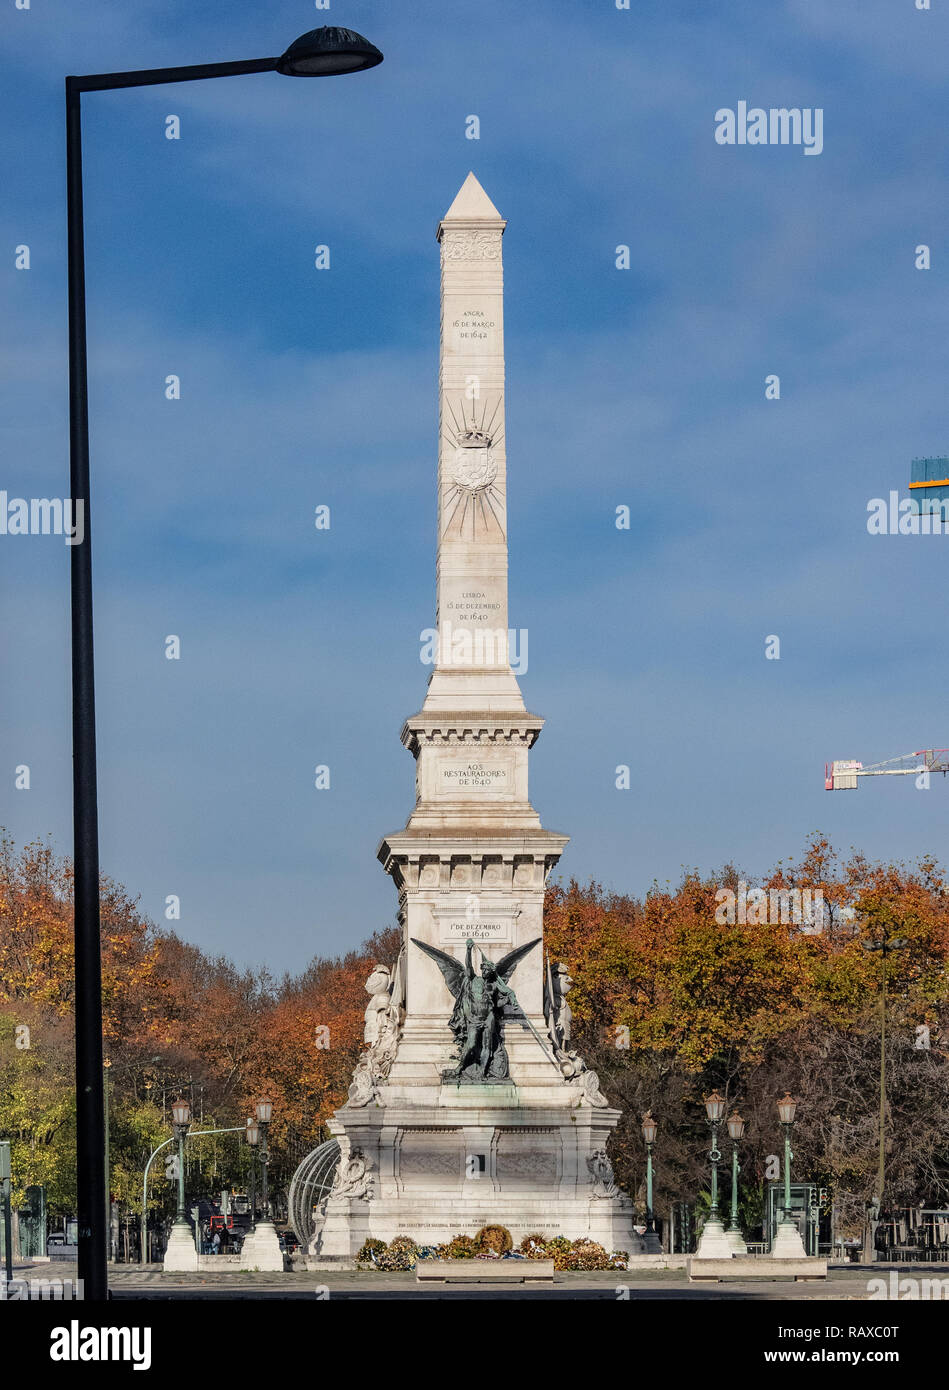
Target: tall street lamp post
{"type": "Point", "coordinates": [787, 1243]}
{"type": "Point", "coordinates": [736, 1130]}
{"type": "Point", "coordinates": [107, 1063]}
{"type": "Point", "coordinates": [651, 1239]}
{"type": "Point", "coordinates": [320, 53]}
{"type": "Point", "coordinates": [714, 1243]}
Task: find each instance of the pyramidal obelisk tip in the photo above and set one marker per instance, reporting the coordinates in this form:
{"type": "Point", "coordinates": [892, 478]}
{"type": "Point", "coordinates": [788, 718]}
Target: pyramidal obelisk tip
{"type": "Point", "coordinates": [472, 204]}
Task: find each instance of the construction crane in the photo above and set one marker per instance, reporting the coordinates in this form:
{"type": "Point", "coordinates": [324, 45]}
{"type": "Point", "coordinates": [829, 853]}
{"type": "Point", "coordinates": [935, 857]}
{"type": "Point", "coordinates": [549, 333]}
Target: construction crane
{"type": "Point", "coordinates": [841, 775]}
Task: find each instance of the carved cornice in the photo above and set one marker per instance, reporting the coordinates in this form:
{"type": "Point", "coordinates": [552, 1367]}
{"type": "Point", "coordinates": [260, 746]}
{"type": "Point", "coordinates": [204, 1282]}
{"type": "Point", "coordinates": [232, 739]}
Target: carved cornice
{"type": "Point", "coordinates": [470, 730]}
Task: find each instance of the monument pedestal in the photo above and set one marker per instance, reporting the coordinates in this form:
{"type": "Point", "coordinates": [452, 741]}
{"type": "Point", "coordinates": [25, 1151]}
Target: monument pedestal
{"type": "Point", "coordinates": [180, 1253]}
{"type": "Point", "coordinates": [450, 1168]}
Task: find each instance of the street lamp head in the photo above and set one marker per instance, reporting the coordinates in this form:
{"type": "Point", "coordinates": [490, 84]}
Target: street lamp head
{"type": "Point", "coordinates": [787, 1107]}
{"type": "Point", "coordinates": [181, 1112]}
{"type": "Point", "coordinates": [252, 1133]}
{"type": "Point", "coordinates": [714, 1107]}
{"type": "Point", "coordinates": [264, 1109]}
{"type": "Point", "coordinates": [327, 52]}
{"type": "Point", "coordinates": [736, 1126]}
{"type": "Point", "coordinates": [650, 1128]}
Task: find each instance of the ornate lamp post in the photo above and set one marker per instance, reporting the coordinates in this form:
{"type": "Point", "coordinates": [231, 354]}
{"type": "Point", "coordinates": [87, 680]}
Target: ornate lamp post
{"type": "Point", "coordinates": [714, 1243]}
{"type": "Point", "coordinates": [736, 1129]}
{"type": "Point", "coordinates": [651, 1239]}
{"type": "Point", "coordinates": [252, 1135]}
{"type": "Point", "coordinates": [787, 1243]}
{"type": "Point", "coordinates": [714, 1109]}
{"type": "Point", "coordinates": [264, 1112]}
{"type": "Point", "coordinates": [261, 1249]}
{"type": "Point", "coordinates": [181, 1253]}
{"type": "Point", "coordinates": [181, 1114]}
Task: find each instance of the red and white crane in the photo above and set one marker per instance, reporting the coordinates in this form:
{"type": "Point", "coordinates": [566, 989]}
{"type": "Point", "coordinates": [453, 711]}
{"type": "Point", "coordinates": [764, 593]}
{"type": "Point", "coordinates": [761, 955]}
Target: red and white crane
{"type": "Point", "coordinates": [841, 775]}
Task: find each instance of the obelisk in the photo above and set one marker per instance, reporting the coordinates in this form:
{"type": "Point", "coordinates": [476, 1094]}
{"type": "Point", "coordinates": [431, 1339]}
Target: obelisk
{"type": "Point", "coordinates": [472, 669]}
{"type": "Point", "coordinates": [430, 1148]}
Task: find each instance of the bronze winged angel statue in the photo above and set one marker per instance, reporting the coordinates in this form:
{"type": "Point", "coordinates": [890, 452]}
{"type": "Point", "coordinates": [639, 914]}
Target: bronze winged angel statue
{"type": "Point", "coordinates": [479, 1005]}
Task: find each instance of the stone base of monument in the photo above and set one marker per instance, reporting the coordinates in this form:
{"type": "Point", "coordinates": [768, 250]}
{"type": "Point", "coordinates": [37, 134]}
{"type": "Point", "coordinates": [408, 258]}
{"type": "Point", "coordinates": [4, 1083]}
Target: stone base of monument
{"type": "Point", "coordinates": [445, 1170]}
{"type": "Point", "coordinates": [742, 1267]}
{"type": "Point", "coordinates": [714, 1243]}
{"type": "Point", "coordinates": [261, 1249]}
{"type": "Point", "coordinates": [484, 1272]}
{"type": "Point", "coordinates": [180, 1255]}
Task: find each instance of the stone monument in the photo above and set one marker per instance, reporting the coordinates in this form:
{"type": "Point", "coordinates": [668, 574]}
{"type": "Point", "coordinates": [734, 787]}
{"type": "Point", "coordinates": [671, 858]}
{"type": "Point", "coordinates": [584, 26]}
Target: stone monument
{"type": "Point", "coordinates": [470, 1105]}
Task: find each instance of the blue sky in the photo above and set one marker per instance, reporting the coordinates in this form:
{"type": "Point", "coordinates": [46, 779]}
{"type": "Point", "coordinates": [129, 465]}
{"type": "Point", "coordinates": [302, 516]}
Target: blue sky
{"type": "Point", "coordinates": [642, 387]}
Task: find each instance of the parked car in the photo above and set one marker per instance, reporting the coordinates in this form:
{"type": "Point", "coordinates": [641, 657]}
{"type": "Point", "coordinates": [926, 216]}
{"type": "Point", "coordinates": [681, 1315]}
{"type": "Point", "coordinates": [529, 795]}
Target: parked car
{"type": "Point", "coordinates": [57, 1244]}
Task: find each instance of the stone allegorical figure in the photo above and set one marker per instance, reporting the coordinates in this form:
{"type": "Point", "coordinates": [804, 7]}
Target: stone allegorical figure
{"type": "Point", "coordinates": [377, 987]}
{"type": "Point", "coordinates": [479, 1003]}
{"type": "Point", "coordinates": [557, 985]}
{"type": "Point", "coordinates": [383, 1028]}
{"type": "Point", "coordinates": [563, 1014]}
